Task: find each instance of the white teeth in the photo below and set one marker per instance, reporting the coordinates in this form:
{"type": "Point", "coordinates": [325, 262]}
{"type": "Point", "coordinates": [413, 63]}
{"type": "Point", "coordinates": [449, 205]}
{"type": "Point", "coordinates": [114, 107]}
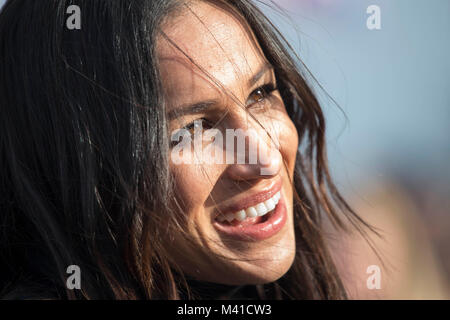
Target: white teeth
{"type": "Point", "coordinates": [259, 209]}
{"type": "Point", "coordinates": [270, 204]}
{"type": "Point", "coordinates": [251, 212]}
{"type": "Point", "coordinates": [241, 215]}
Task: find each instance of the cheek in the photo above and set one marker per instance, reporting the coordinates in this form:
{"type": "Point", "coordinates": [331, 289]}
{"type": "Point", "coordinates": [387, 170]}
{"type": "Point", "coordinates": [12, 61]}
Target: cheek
{"type": "Point", "coordinates": [284, 133]}
{"type": "Point", "coordinates": [193, 184]}
{"type": "Point", "coordinates": [288, 141]}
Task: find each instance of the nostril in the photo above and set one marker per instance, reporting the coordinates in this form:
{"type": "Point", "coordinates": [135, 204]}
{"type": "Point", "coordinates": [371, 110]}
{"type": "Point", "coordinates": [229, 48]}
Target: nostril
{"type": "Point", "coordinates": [272, 170]}
{"type": "Point", "coordinates": [244, 171]}
{"type": "Point", "coordinates": [271, 164]}
{"type": "Point", "coordinates": [268, 163]}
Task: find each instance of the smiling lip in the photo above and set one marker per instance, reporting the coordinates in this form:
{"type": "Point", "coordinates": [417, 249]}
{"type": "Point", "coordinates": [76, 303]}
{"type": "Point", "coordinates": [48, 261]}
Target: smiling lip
{"type": "Point", "coordinates": [259, 228]}
{"type": "Point", "coordinates": [253, 199]}
{"type": "Point", "coordinates": [260, 231]}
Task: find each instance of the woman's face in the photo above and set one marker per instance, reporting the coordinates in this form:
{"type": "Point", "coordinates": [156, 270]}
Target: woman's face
{"type": "Point", "coordinates": [238, 214]}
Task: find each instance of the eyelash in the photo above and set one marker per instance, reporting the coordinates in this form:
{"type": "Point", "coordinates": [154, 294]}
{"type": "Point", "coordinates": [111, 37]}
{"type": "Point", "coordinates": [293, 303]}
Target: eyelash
{"type": "Point", "coordinates": [266, 89]}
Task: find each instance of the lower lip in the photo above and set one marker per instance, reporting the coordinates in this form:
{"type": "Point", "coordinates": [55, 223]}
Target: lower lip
{"type": "Point", "coordinates": [259, 231]}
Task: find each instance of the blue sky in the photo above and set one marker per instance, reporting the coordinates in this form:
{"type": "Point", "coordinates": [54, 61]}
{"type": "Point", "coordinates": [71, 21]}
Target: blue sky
{"type": "Point", "coordinates": [392, 84]}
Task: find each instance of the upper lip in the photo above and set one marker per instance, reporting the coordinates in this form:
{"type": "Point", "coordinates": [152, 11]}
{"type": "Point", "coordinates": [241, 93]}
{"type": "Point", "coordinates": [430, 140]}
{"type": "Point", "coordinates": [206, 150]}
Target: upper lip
{"type": "Point", "coordinates": [253, 199]}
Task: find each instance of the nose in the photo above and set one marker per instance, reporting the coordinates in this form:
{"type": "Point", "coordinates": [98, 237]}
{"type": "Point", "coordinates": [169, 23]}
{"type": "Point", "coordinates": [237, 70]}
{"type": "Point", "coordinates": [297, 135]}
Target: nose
{"type": "Point", "coordinates": [259, 158]}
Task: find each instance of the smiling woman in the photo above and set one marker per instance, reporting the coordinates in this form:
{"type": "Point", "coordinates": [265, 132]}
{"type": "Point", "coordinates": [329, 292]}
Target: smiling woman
{"type": "Point", "coordinates": [86, 173]}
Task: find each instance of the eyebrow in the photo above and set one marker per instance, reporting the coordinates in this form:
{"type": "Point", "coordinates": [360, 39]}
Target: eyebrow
{"type": "Point", "coordinates": [200, 107]}
{"type": "Point", "coordinates": [258, 75]}
{"type": "Point", "coordinates": [191, 108]}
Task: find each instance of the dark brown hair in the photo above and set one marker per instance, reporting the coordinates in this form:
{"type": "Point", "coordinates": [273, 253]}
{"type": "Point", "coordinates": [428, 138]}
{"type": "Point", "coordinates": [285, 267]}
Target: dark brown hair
{"type": "Point", "coordinates": [83, 155]}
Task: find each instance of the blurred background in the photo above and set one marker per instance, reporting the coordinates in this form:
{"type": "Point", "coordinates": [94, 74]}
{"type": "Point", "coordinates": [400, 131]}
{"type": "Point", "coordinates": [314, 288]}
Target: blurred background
{"type": "Point", "coordinates": [388, 132]}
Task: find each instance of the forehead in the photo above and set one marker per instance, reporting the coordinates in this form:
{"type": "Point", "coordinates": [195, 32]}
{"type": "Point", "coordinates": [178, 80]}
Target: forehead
{"type": "Point", "coordinates": [207, 38]}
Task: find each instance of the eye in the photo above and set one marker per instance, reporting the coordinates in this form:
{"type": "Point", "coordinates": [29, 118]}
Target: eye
{"type": "Point", "coordinates": [198, 125]}
{"type": "Point", "coordinates": [261, 93]}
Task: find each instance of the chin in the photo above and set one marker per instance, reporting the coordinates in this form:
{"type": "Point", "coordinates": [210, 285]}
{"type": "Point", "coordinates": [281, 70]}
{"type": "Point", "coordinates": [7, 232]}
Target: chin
{"type": "Point", "coordinates": [258, 271]}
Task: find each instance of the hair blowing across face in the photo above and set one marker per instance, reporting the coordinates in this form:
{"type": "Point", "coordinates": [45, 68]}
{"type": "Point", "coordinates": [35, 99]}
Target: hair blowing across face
{"type": "Point", "coordinates": [84, 155]}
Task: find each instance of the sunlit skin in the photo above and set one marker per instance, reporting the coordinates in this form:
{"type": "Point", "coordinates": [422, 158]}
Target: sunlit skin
{"type": "Point", "coordinates": [226, 57]}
